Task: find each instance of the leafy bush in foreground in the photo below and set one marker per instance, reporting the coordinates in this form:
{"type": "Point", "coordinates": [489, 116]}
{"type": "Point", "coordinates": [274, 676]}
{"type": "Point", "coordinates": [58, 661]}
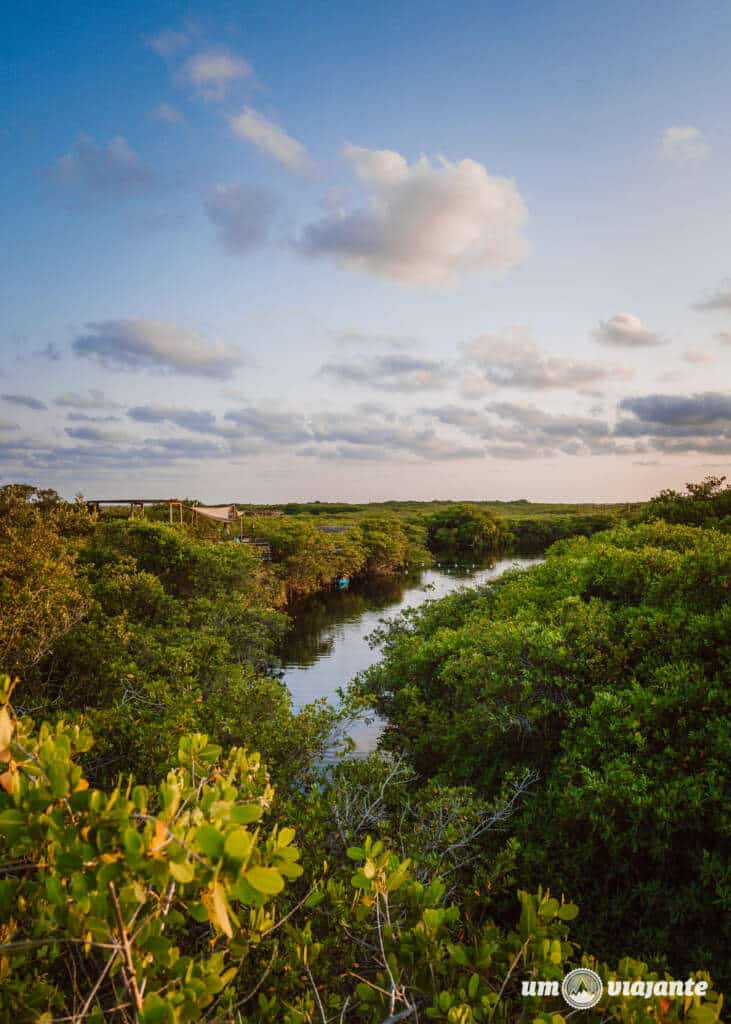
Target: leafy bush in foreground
{"type": "Point", "coordinates": [171, 905]}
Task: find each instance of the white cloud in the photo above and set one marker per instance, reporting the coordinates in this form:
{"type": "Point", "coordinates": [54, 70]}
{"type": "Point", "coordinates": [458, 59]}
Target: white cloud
{"type": "Point", "coordinates": [111, 169]}
{"type": "Point", "coordinates": [94, 400]}
{"type": "Point", "coordinates": [140, 344]}
{"type": "Point", "coordinates": [198, 420]}
{"type": "Point", "coordinates": [625, 331]}
{"type": "Point", "coordinates": [423, 222]}
{"type": "Point", "coordinates": [396, 371]}
{"type": "Point", "coordinates": [29, 401]}
{"type": "Point", "coordinates": [512, 359]}
{"type": "Point", "coordinates": [212, 72]}
{"type": "Point", "coordinates": [684, 143]}
{"type": "Point", "coordinates": [98, 434]}
{"type": "Point", "coordinates": [272, 140]}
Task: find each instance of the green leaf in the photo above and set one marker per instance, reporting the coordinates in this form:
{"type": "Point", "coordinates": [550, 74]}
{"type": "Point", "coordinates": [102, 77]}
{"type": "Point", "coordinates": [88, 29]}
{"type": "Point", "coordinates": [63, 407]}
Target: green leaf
{"type": "Point", "coordinates": [156, 1011]}
{"type": "Point", "coordinates": [133, 842]}
{"type": "Point", "coordinates": [10, 821]}
{"type": "Point", "coordinates": [238, 844]}
{"type": "Point", "coordinates": [285, 837]}
{"type": "Point", "coordinates": [549, 908]}
{"type": "Point", "coordinates": [266, 880]}
{"type": "Point", "coordinates": [355, 853]}
{"type": "Point", "coordinates": [568, 912]}
{"type": "Point", "coordinates": [54, 890]}
{"type": "Point", "coordinates": [246, 814]}
{"type": "Point", "coordinates": [210, 841]}
{"type": "Point", "coordinates": [182, 871]}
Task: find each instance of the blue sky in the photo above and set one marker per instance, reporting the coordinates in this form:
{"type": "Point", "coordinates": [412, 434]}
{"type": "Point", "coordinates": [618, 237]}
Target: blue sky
{"type": "Point", "coordinates": [291, 251]}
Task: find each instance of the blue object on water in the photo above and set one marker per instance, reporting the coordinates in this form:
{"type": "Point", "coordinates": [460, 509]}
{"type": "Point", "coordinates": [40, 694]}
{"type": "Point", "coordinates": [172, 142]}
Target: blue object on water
{"type": "Point", "coordinates": [343, 582]}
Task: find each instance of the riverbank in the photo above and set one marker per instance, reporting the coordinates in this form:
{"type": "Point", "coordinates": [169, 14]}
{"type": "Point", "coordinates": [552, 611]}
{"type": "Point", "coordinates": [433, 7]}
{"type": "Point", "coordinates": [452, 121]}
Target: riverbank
{"type": "Point", "coordinates": [328, 643]}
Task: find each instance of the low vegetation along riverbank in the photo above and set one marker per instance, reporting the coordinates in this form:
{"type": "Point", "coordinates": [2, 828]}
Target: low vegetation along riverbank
{"type": "Point", "coordinates": [552, 788]}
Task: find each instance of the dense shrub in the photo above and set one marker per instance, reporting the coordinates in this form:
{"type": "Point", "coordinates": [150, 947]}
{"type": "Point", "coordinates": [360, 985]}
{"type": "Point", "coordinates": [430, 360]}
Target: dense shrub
{"type": "Point", "coordinates": [187, 902]}
{"type": "Point", "coordinates": [707, 503]}
{"type": "Point", "coordinates": [464, 529]}
{"type": "Point", "coordinates": [606, 670]}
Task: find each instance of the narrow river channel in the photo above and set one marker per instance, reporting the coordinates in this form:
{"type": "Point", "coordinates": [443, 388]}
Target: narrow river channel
{"type": "Point", "coordinates": [328, 644]}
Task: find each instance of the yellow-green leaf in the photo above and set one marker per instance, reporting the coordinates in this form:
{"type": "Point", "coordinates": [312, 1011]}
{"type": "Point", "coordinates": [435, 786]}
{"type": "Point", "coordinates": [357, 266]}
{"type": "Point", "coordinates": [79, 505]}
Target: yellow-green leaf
{"type": "Point", "coordinates": [266, 880]}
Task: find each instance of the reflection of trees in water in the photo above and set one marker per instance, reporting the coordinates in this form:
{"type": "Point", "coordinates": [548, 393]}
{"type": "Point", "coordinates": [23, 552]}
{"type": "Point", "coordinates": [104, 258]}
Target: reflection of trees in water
{"type": "Point", "coordinates": [317, 616]}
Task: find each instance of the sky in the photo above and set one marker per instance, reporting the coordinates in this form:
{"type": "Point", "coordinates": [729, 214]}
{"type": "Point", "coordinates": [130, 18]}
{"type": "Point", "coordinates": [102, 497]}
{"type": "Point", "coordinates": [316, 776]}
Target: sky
{"type": "Point", "coordinates": [280, 251]}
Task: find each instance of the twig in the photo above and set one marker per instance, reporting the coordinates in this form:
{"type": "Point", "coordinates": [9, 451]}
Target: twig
{"type": "Point", "coordinates": [294, 910]}
{"type": "Point", "coordinates": [506, 979]}
{"type": "Point", "coordinates": [317, 994]}
{"type": "Point", "coordinates": [261, 980]}
{"type": "Point", "coordinates": [90, 998]}
{"type": "Point", "coordinates": [131, 973]}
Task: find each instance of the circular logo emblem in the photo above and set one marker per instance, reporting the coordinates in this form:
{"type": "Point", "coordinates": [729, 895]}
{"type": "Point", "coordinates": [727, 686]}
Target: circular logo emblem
{"type": "Point", "coordinates": [582, 988]}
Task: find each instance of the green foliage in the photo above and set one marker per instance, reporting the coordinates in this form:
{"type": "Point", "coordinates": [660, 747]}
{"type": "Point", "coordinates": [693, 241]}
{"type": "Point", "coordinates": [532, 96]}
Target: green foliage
{"type": "Point", "coordinates": [536, 533]}
{"type": "Point", "coordinates": [465, 529]}
{"type": "Point", "coordinates": [157, 894]}
{"type": "Point", "coordinates": [307, 559]}
{"type": "Point", "coordinates": [566, 726]}
{"type": "Point", "coordinates": [41, 597]}
{"type": "Point", "coordinates": [606, 671]}
{"type": "Point", "coordinates": [150, 633]}
{"type": "Point", "coordinates": [170, 903]}
{"type": "Point", "coordinates": [707, 503]}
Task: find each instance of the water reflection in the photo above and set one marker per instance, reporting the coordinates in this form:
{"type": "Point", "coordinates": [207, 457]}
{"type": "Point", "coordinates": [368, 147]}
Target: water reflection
{"type": "Point", "coordinates": [328, 645]}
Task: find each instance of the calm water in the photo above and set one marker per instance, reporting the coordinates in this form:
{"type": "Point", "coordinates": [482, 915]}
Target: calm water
{"type": "Point", "coordinates": [328, 645]}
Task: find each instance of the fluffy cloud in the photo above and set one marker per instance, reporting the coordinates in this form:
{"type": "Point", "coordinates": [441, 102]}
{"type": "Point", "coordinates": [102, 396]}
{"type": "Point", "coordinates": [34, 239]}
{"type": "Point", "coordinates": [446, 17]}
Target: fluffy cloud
{"type": "Point", "coordinates": [272, 140]}
{"type": "Point", "coordinates": [83, 417]}
{"type": "Point", "coordinates": [212, 72]}
{"type": "Point", "coordinates": [684, 143]}
{"type": "Point", "coordinates": [113, 169]}
{"type": "Point", "coordinates": [26, 400]}
{"type": "Point", "coordinates": [392, 372]}
{"type": "Point", "coordinates": [149, 344]}
{"type": "Point", "coordinates": [198, 420]}
{"type": "Point", "coordinates": [268, 425]}
{"type": "Point", "coordinates": [514, 431]}
{"type": "Point", "coordinates": [511, 359]}
{"type": "Point", "coordinates": [423, 222]}
{"type": "Point", "coordinates": [677, 424]}
{"type": "Point", "coordinates": [372, 435]}
{"type": "Point", "coordinates": [97, 434]}
{"type": "Point", "coordinates": [720, 299]}
{"type": "Point", "coordinates": [242, 215]}
{"type": "Point", "coordinates": [625, 331]}
{"type": "Point", "coordinates": [707, 408]}
{"type": "Point", "coordinates": [95, 399]}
